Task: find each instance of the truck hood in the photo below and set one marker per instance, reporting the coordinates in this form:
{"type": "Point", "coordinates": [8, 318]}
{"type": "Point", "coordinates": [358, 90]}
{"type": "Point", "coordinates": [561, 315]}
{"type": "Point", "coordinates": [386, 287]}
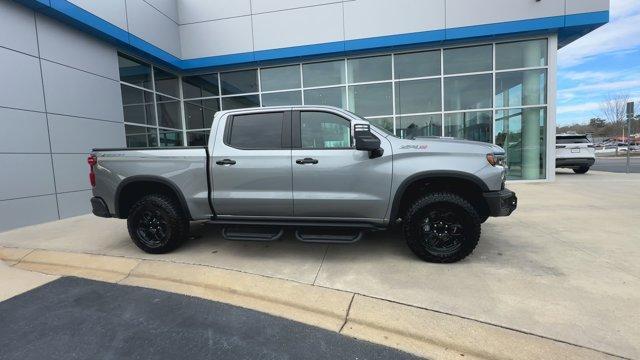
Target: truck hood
{"type": "Point", "coordinates": [443, 145]}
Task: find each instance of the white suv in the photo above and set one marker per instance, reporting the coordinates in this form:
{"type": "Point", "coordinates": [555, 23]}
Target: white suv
{"type": "Point", "coordinates": [575, 152]}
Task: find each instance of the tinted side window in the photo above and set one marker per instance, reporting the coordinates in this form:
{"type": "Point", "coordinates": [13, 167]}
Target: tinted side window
{"type": "Point", "coordinates": [257, 131]}
{"type": "Point", "coordinates": [321, 130]}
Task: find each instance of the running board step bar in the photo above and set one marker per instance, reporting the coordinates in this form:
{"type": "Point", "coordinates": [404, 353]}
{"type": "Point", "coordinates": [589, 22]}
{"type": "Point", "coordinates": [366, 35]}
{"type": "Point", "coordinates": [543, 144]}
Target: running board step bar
{"type": "Point", "coordinates": [329, 236]}
{"type": "Point", "coordinates": [252, 233]}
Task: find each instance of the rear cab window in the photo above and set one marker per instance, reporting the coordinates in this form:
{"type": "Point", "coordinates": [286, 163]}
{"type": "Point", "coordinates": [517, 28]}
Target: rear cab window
{"type": "Point", "coordinates": [572, 140]}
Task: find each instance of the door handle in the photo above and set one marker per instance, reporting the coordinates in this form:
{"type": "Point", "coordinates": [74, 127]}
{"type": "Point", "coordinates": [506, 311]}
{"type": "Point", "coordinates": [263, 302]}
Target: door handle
{"type": "Point", "coordinates": [306, 161]}
{"type": "Point", "coordinates": [226, 162]}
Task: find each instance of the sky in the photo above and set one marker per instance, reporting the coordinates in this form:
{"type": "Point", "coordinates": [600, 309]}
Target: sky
{"type": "Point", "coordinates": [604, 63]}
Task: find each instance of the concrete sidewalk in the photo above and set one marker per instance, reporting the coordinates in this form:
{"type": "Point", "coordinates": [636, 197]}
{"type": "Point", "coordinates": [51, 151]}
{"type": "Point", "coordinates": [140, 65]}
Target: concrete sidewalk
{"type": "Point", "coordinates": [563, 267]}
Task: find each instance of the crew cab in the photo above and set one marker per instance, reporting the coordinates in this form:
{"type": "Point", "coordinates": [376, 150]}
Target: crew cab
{"type": "Point", "coordinates": [322, 172]}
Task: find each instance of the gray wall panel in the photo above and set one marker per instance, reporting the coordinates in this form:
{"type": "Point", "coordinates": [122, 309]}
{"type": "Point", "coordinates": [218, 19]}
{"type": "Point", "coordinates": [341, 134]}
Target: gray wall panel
{"type": "Point", "coordinates": [260, 6]}
{"type": "Point", "coordinates": [74, 203]}
{"type": "Point", "coordinates": [112, 11]}
{"type": "Point", "coordinates": [26, 131]}
{"type": "Point", "coordinates": [17, 28]}
{"type": "Point", "coordinates": [25, 175]}
{"type": "Point", "coordinates": [150, 25]}
{"type": "Point", "coordinates": [581, 6]}
{"type": "Point", "coordinates": [72, 92]}
{"type": "Point", "coordinates": [204, 10]}
{"type": "Point", "coordinates": [466, 13]}
{"type": "Point", "coordinates": [302, 26]}
{"type": "Point", "coordinates": [167, 7]}
{"type": "Point", "coordinates": [62, 44]}
{"type": "Point", "coordinates": [79, 136]}
{"type": "Point", "coordinates": [232, 36]}
{"type": "Point", "coordinates": [21, 82]}
{"type": "Point", "coordinates": [27, 211]}
{"type": "Point", "coordinates": [71, 171]}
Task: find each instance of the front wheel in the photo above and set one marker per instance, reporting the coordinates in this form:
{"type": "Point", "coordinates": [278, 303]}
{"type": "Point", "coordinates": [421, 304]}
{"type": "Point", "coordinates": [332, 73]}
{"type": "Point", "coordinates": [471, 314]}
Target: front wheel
{"type": "Point", "coordinates": [157, 224]}
{"type": "Point", "coordinates": [442, 228]}
{"type": "Point", "coordinates": [581, 170]}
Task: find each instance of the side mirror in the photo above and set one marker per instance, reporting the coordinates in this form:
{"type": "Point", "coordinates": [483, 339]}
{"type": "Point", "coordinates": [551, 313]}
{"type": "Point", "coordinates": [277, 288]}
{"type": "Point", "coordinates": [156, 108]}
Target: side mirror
{"type": "Point", "coordinates": [366, 141]}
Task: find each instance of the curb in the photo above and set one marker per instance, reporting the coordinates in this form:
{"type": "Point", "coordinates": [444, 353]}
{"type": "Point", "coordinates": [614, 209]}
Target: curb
{"type": "Point", "coordinates": [419, 331]}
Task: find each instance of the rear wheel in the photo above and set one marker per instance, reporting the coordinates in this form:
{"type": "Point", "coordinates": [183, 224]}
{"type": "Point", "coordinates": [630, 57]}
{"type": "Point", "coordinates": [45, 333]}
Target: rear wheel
{"type": "Point", "coordinates": [442, 228]}
{"type": "Point", "coordinates": [581, 170]}
{"type": "Point", "coordinates": [157, 224]}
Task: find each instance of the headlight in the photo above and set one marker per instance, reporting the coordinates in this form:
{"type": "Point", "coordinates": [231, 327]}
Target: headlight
{"type": "Point", "coordinates": [497, 159]}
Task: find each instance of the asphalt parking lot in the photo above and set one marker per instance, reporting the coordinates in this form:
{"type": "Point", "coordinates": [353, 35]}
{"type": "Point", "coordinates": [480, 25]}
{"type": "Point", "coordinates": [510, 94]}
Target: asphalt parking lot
{"type": "Point", "coordinates": [616, 164]}
{"type": "Point", "coordinates": [563, 266]}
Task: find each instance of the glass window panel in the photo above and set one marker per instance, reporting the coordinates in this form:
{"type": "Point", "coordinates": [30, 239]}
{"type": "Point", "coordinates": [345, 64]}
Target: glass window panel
{"type": "Point", "coordinates": [522, 133]}
{"type": "Point", "coordinates": [468, 59]}
{"type": "Point", "coordinates": [324, 73]}
{"type": "Point", "coordinates": [239, 82]}
{"type": "Point", "coordinates": [134, 72]}
{"type": "Point", "coordinates": [410, 127]}
{"type": "Point", "coordinates": [257, 131]}
{"type": "Point", "coordinates": [168, 112]}
{"type": "Point", "coordinates": [385, 124]}
{"type": "Point", "coordinates": [516, 55]}
{"type": "Point", "coordinates": [137, 106]}
{"type": "Point", "coordinates": [371, 99]}
{"type": "Point", "coordinates": [170, 138]}
{"type": "Point", "coordinates": [369, 69]}
{"type": "Point", "coordinates": [199, 113]}
{"type": "Point", "coordinates": [200, 86]}
{"type": "Point", "coordinates": [417, 96]}
{"type": "Point", "coordinates": [166, 82]}
{"type": "Point", "coordinates": [475, 125]}
{"type": "Point", "coordinates": [240, 102]}
{"type": "Point", "coordinates": [418, 64]}
{"type": "Point", "coordinates": [197, 138]}
{"type": "Point", "coordinates": [519, 88]}
{"type": "Point", "coordinates": [140, 136]}
{"type": "Point", "coordinates": [280, 78]}
{"type": "Point", "coordinates": [322, 130]}
{"type": "Point", "coordinates": [282, 98]}
{"type": "Point", "coordinates": [336, 96]}
{"type": "Point", "coordinates": [468, 92]}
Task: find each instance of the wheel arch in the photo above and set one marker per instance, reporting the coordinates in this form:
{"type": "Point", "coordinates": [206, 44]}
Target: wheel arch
{"type": "Point", "coordinates": [133, 188]}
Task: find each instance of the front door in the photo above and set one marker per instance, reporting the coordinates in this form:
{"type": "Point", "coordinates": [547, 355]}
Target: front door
{"type": "Point", "coordinates": [251, 164]}
{"type": "Point", "coordinates": [331, 179]}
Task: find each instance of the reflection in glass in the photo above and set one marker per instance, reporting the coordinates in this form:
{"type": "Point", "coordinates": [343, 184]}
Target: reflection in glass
{"type": "Point", "coordinates": [282, 98]}
{"type": "Point", "coordinates": [369, 69]}
{"type": "Point", "coordinates": [336, 96]}
{"type": "Point", "coordinates": [140, 136]}
{"type": "Point", "coordinates": [417, 96]}
{"type": "Point", "coordinates": [280, 78]}
{"type": "Point", "coordinates": [522, 133]}
{"type": "Point", "coordinates": [371, 99]}
{"type": "Point", "coordinates": [166, 82]}
{"type": "Point", "coordinates": [197, 138]}
{"type": "Point", "coordinates": [169, 112]}
{"type": "Point", "coordinates": [200, 86]}
{"type": "Point", "coordinates": [239, 82]}
{"type": "Point", "coordinates": [324, 73]}
{"type": "Point", "coordinates": [170, 138]}
{"type": "Point", "coordinates": [410, 127]}
{"type": "Point", "coordinates": [134, 72]}
{"type": "Point", "coordinates": [322, 130]}
{"type": "Point", "coordinates": [199, 113]}
{"type": "Point", "coordinates": [420, 64]}
{"type": "Point", "coordinates": [469, 125]}
{"type": "Point", "coordinates": [385, 123]}
{"type": "Point", "coordinates": [240, 102]}
{"type": "Point", "coordinates": [137, 105]}
{"type": "Point", "coordinates": [517, 88]}
{"type": "Point", "coordinates": [468, 92]}
{"type": "Point", "coordinates": [521, 54]}
{"type": "Point", "coordinates": [468, 59]}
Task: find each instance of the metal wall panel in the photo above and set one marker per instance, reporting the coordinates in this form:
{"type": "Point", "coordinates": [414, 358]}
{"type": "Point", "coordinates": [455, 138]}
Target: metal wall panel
{"type": "Point", "coordinates": [71, 172]}
{"type": "Point", "coordinates": [21, 82]}
{"type": "Point", "coordinates": [26, 131]}
{"type": "Point", "coordinates": [112, 11]}
{"type": "Point", "coordinates": [74, 203]}
{"type": "Point", "coordinates": [17, 30]}
{"type": "Point", "coordinates": [582, 6]}
{"type": "Point", "coordinates": [25, 175]}
{"type": "Point", "coordinates": [152, 26]}
{"type": "Point", "coordinates": [79, 136]}
{"type": "Point", "coordinates": [220, 37]}
{"type": "Point", "coordinates": [462, 13]}
{"type": "Point", "coordinates": [27, 211]}
{"type": "Point", "coordinates": [167, 7]}
{"type": "Point", "coordinates": [191, 11]}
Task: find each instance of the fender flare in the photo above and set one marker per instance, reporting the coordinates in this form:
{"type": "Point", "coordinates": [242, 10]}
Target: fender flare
{"type": "Point", "coordinates": [150, 178]}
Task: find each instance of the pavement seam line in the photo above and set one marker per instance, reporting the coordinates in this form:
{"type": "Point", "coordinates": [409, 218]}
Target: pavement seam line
{"type": "Point", "coordinates": [23, 256]}
{"type": "Point", "coordinates": [326, 250]}
{"type": "Point", "coordinates": [130, 271]}
{"type": "Point", "coordinates": [346, 317]}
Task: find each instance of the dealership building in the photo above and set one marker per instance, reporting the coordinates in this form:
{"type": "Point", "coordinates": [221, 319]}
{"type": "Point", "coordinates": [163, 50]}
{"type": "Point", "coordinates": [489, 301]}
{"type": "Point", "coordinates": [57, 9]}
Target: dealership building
{"type": "Point", "coordinates": [81, 74]}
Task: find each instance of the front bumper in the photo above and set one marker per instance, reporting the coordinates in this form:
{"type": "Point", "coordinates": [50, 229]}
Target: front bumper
{"type": "Point", "coordinates": [574, 162]}
{"type": "Point", "coordinates": [501, 203]}
{"type": "Point", "coordinates": [99, 207]}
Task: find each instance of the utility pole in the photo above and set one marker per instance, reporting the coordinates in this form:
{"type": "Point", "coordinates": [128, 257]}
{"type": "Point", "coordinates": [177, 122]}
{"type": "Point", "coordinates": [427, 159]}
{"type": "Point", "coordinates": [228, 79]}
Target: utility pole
{"type": "Point", "coordinates": [630, 114]}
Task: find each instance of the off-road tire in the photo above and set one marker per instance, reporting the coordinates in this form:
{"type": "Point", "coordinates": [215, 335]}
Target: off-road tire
{"type": "Point", "coordinates": [418, 213]}
{"type": "Point", "coordinates": [581, 170]}
{"type": "Point", "coordinates": [174, 222]}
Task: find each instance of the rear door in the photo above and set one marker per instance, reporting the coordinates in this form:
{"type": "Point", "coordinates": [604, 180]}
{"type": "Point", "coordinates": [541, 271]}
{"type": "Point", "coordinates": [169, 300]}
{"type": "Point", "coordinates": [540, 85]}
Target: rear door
{"type": "Point", "coordinates": [331, 179]}
{"type": "Point", "coordinates": [251, 164]}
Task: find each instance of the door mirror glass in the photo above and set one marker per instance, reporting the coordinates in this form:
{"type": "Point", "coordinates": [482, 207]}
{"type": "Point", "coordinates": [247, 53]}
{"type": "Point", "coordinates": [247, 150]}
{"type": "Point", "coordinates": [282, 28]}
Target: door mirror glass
{"type": "Point", "coordinates": [366, 141]}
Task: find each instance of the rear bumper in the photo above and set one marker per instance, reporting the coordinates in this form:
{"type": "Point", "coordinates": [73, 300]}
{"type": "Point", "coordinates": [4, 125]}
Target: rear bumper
{"type": "Point", "coordinates": [501, 203]}
{"type": "Point", "coordinates": [99, 207]}
{"type": "Point", "coordinates": [574, 162]}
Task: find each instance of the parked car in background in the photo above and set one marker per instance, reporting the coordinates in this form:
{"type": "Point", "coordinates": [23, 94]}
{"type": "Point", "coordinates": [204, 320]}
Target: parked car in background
{"type": "Point", "coordinates": [575, 152]}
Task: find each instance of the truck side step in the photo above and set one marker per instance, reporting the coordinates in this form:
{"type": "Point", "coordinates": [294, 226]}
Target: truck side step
{"type": "Point", "coordinates": [328, 235]}
{"type": "Point", "coordinates": [252, 233]}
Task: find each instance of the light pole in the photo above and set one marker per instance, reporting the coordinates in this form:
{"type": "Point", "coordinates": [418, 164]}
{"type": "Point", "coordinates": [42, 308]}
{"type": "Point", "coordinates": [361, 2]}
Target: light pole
{"type": "Point", "coordinates": [630, 115]}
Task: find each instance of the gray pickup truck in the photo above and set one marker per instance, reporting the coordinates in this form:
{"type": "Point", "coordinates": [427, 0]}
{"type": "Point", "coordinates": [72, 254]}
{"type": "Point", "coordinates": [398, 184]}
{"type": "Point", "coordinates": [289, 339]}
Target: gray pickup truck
{"type": "Point", "coordinates": [323, 172]}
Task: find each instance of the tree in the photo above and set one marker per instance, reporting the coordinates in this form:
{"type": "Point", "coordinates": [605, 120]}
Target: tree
{"type": "Point", "coordinates": [614, 108]}
{"type": "Point", "coordinates": [597, 123]}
